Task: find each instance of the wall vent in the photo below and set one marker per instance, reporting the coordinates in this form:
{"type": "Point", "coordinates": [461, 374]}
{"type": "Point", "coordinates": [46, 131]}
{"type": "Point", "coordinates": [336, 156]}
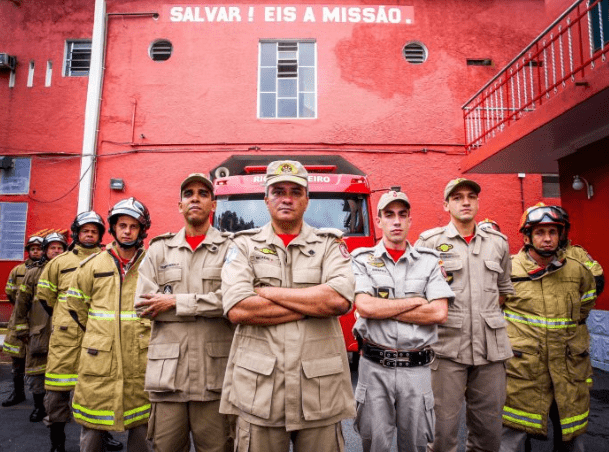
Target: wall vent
{"type": "Point", "coordinates": [161, 50]}
{"type": "Point", "coordinates": [415, 53]}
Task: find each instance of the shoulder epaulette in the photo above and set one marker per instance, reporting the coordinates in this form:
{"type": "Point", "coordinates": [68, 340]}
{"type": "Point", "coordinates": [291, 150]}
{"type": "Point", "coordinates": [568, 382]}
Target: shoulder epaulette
{"type": "Point", "coordinates": [364, 249]}
{"type": "Point", "coordinates": [500, 234]}
{"type": "Point", "coordinates": [84, 261]}
{"type": "Point", "coordinates": [431, 232]}
{"type": "Point", "coordinates": [227, 234]}
{"type": "Point", "coordinates": [330, 231]}
{"type": "Point", "coordinates": [167, 235]}
{"type": "Point", "coordinates": [424, 249]}
{"type": "Point", "coordinates": [247, 232]}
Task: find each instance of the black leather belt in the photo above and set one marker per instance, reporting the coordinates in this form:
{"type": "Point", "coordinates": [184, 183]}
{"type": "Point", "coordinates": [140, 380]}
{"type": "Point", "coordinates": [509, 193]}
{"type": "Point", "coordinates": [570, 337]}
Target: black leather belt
{"type": "Point", "coordinates": [397, 358]}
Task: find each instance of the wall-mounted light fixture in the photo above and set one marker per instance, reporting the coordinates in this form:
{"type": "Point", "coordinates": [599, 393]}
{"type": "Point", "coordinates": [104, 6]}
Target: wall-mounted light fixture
{"type": "Point", "coordinates": [578, 185]}
{"type": "Point", "coordinates": [117, 184]}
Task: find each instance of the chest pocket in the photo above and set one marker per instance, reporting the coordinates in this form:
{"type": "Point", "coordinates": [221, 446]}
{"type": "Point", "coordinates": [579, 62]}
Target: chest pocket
{"type": "Point", "coordinates": [266, 274]}
{"type": "Point", "coordinates": [415, 286]}
{"type": "Point", "coordinates": [493, 270]}
{"type": "Point", "coordinates": [454, 273]}
{"type": "Point", "coordinates": [212, 279]}
{"type": "Point", "coordinates": [306, 277]}
{"type": "Point", "coordinates": [169, 275]}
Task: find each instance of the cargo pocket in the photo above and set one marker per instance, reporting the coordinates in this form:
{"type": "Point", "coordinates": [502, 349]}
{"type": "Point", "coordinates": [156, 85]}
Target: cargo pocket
{"type": "Point", "coordinates": [526, 361]}
{"type": "Point", "coordinates": [578, 358]}
{"type": "Point", "coordinates": [360, 425]}
{"type": "Point", "coordinates": [96, 355]}
{"type": "Point", "coordinates": [426, 432]}
{"type": "Point", "coordinates": [415, 287]}
{"type": "Point", "coordinates": [162, 367]}
{"type": "Point", "coordinates": [216, 359]}
{"type": "Point", "coordinates": [491, 275]}
{"type": "Point", "coordinates": [322, 395]}
{"type": "Point", "coordinates": [449, 335]}
{"type": "Point", "coordinates": [38, 344]}
{"type": "Point", "coordinates": [253, 381]}
{"type": "Point", "coordinates": [497, 342]}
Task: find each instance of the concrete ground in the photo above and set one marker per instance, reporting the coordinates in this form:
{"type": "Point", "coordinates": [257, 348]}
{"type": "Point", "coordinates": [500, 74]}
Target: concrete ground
{"type": "Point", "coordinates": [17, 434]}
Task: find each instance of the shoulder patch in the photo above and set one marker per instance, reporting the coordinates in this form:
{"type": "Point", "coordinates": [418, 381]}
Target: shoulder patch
{"type": "Point", "coordinates": [329, 231]}
{"type": "Point", "coordinates": [167, 235]}
{"type": "Point", "coordinates": [492, 231]}
{"type": "Point", "coordinates": [431, 232]}
{"type": "Point", "coordinates": [342, 246]}
{"type": "Point", "coordinates": [422, 249]}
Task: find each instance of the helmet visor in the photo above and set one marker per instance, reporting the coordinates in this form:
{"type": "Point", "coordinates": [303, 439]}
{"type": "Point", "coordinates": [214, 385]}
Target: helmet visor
{"type": "Point", "coordinates": [550, 213]}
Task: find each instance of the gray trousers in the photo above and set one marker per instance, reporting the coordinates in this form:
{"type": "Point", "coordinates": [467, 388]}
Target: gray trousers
{"type": "Point", "coordinates": [91, 440]}
{"type": "Point", "coordinates": [36, 383]}
{"type": "Point", "coordinates": [394, 398]}
{"type": "Point", "coordinates": [57, 406]}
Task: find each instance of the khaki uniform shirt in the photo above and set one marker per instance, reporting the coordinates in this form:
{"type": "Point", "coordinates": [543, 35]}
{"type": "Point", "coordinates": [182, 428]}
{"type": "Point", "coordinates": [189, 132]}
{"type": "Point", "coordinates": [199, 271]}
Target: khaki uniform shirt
{"type": "Point", "coordinates": [62, 362]}
{"type": "Point", "coordinates": [296, 374]}
{"type": "Point", "coordinates": [478, 272]}
{"type": "Point", "coordinates": [415, 274]}
{"type": "Point", "coordinates": [189, 346]}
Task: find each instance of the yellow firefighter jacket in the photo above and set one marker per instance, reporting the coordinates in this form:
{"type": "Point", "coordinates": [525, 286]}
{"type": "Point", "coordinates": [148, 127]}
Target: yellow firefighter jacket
{"type": "Point", "coordinates": [14, 346]}
{"type": "Point", "coordinates": [62, 361]}
{"type": "Point", "coordinates": [581, 255]}
{"type": "Point", "coordinates": [32, 320]}
{"type": "Point", "coordinates": [546, 325]}
{"type": "Point", "coordinates": [109, 394]}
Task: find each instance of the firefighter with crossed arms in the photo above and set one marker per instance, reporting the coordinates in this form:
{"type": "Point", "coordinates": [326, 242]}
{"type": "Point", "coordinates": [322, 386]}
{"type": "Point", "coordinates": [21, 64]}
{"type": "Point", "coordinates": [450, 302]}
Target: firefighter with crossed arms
{"type": "Point", "coordinates": [550, 372]}
{"type": "Point", "coordinates": [285, 285]}
{"type": "Point", "coordinates": [62, 362]}
{"type": "Point", "coordinates": [13, 346]}
{"type": "Point", "coordinates": [109, 394]}
{"type": "Point", "coordinates": [179, 288]}
{"type": "Point", "coordinates": [33, 322]}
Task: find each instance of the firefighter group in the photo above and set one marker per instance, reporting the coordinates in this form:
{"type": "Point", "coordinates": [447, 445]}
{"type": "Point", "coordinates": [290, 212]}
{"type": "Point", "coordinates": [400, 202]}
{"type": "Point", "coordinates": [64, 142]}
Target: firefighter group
{"type": "Point", "coordinates": [231, 341]}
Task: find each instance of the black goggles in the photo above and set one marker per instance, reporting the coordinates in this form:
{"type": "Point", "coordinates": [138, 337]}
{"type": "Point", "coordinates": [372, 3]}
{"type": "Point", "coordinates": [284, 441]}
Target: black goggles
{"type": "Point", "coordinates": [551, 213]}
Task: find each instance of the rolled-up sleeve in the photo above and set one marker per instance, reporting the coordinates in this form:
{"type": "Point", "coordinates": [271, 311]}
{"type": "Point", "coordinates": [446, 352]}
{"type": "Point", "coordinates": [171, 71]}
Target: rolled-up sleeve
{"type": "Point", "coordinates": [337, 272]}
{"type": "Point", "coordinates": [437, 287]}
{"type": "Point", "coordinates": [237, 276]}
{"type": "Point", "coordinates": [363, 283]}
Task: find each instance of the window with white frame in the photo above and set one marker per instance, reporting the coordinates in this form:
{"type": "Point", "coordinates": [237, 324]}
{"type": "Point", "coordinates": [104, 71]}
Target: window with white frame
{"type": "Point", "coordinates": [78, 58]}
{"type": "Point", "coordinates": [13, 216]}
{"type": "Point", "coordinates": [15, 176]}
{"type": "Point", "coordinates": [287, 79]}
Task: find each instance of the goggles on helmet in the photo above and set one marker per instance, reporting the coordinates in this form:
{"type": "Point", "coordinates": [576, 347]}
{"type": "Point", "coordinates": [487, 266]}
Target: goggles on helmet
{"type": "Point", "coordinates": [543, 214]}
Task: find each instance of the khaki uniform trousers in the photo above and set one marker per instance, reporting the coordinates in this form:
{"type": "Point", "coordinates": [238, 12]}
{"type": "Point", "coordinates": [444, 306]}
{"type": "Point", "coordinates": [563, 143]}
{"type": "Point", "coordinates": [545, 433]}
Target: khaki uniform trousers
{"type": "Point", "coordinates": [256, 438]}
{"type": "Point", "coordinates": [512, 440]}
{"type": "Point", "coordinates": [483, 388]}
{"type": "Point", "coordinates": [57, 406]}
{"type": "Point", "coordinates": [171, 423]}
{"type": "Point", "coordinates": [91, 440]}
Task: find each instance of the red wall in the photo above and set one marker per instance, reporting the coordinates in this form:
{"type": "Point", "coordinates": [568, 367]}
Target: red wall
{"type": "Point", "coordinates": [589, 217]}
{"type": "Point", "coordinates": [400, 123]}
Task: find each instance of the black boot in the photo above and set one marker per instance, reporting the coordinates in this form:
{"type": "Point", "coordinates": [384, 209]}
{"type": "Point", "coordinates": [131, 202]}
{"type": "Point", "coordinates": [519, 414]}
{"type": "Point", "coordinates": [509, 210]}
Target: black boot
{"type": "Point", "coordinates": [39, 412]}
{"type": "Point", "coordinates": [58, 437]}
{"type": "Point", "coordinates": [18, 394]}
{"type": "Point", "coordinates": [110, 443]}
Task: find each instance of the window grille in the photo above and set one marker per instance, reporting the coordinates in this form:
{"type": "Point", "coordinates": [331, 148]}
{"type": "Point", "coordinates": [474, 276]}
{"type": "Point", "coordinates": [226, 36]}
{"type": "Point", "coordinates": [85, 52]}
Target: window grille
{"type": "Point", "coordinates": [78, 58]}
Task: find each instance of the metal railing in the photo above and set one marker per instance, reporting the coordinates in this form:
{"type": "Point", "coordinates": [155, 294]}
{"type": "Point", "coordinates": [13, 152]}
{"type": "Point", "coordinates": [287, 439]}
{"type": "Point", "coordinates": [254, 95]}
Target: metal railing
{"type": "Point", "coordinates": [575, 43]}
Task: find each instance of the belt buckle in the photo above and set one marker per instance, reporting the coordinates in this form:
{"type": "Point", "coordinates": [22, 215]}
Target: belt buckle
{"type": "Point", "coordinates": [390, 354]}
{"type": "Point", "coordinates": [386, 362]}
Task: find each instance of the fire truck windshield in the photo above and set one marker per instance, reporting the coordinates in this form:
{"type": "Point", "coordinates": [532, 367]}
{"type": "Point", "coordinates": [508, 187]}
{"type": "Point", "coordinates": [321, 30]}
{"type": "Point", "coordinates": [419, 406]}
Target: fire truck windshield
{"type": "Point", "coordinates": [342, 211]}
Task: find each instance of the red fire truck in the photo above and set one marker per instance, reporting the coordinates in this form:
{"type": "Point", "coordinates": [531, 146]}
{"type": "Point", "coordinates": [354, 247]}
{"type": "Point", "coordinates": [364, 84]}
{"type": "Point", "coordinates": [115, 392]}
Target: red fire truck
{"type": "Point", "coordinates": [339, 197]}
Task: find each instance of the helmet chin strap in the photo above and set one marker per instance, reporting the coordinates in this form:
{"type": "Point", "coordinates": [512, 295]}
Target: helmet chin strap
{"type": "Point", "coordinates": [544, 253]}
{"type": "Point", "coordinates": [126, 245]}
{"type": "Point", "coordinates": [84, 245]}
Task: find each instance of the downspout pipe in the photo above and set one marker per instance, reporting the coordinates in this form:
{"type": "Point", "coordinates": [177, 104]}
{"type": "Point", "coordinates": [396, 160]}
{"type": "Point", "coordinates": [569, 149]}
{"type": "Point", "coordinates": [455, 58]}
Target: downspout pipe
{"type": "Point", "coordinates": [92, 109]}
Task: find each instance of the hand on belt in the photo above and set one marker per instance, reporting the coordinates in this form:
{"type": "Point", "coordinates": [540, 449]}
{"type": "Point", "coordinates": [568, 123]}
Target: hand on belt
{"type": "Point", "coordinates": [397, 358]}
